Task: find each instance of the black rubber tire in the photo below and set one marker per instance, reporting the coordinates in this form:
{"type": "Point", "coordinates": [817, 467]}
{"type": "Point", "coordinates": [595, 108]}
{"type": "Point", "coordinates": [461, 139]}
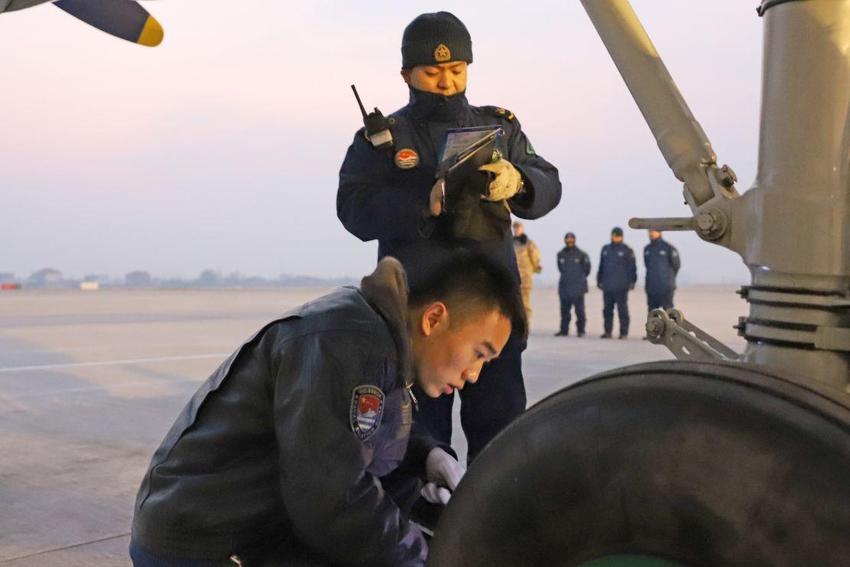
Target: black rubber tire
{"type": "Point", "coordinates": [704, 464]}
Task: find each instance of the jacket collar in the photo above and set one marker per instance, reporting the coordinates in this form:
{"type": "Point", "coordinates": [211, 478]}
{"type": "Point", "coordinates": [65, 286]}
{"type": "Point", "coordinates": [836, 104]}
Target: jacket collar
{"type": "Point", "coordinates": [436, 107]}
{"type": "Point", "coordinates": [386, 291]}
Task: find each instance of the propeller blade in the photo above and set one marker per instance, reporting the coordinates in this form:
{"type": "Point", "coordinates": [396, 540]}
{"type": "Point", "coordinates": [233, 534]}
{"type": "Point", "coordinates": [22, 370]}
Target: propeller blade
{"type": "Point", "coordinates": [122, 18]}
{"type": "Point", "coordinates": [12, 5]}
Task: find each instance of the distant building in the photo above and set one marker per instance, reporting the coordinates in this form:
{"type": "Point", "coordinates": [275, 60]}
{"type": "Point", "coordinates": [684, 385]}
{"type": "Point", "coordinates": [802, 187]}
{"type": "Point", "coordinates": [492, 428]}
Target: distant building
{"type": "Point", "coordinates": [96, 278]}
{"type": "Point", "coordinates": [46, 277]}
{"type": "Point", "coordinates": [8, 281]}
{"type": "Point", "coordinates": [137, 278]}
{"type": "Point", "coordinates": [209, 278]}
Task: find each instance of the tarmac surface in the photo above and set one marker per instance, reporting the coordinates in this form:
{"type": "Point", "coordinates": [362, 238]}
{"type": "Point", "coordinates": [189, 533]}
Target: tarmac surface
{"type": "Point", "coordinates": [91, 381]}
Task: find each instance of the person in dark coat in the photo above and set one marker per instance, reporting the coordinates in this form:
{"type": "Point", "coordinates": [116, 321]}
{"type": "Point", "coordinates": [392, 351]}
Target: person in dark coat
{"type": "Point", "coordinates": [393, 196]}
{"type": "Point", "coordinates": [617, 275]}
{"type": "Point", "coordinates": [277, 458]}
{"type": "Point", "coordinates": [574, 265]}
{"type": "Point", "coordinates": [662, 264]}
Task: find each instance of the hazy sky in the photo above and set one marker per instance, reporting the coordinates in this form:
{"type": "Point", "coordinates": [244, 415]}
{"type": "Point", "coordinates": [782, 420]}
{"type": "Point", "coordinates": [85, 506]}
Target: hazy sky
{"type": "Point", "coordinates": [221, 148]}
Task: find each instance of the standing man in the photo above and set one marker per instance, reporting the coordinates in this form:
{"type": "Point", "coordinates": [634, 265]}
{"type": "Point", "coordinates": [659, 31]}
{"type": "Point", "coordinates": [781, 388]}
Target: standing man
{"type": "Point", "coordinates": [617, 275]}
{"type": "Point", "coordinates": [574, 265]}
{"type": "Point", "coordinates": [528, 262]}
{"type": "Point", "coordinates": [662, 264]}
{"type": "Point", "coordinates": [391, 195]}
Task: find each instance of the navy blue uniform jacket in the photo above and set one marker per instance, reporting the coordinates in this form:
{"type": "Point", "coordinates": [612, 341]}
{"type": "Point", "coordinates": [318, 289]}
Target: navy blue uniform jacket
{"type": "Point", "coordinates": [617, 269]}
{"type": "Point", "coordinates": [574, 265]}
{"type": "Point", "coordinates": [662, 264]}
{"type": "Point", "coordinates": [378, 200]}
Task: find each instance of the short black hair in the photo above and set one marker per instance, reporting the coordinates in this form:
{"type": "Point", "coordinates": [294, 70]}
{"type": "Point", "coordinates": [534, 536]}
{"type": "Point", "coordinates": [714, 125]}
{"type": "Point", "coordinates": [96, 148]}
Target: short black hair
{"type": "Point", "coordinates": [466, 278]}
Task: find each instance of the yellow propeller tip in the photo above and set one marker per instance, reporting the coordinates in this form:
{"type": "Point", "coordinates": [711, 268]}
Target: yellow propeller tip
{"type": "Point", "coordinates": [152, 33]}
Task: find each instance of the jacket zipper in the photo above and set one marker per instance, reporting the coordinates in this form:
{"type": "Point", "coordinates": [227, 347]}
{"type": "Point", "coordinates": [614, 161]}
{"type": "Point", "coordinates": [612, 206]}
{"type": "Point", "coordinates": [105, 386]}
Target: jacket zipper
{"type": "Point", "coordinates": [409, 388]}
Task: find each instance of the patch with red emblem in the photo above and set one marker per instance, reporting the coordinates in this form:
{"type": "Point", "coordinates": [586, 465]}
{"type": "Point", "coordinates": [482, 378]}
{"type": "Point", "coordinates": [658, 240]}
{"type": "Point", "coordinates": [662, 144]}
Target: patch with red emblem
{"type": "Point", "coordinates": [406, 158]}
{"type": "Point", "coordinates": [367, 409]}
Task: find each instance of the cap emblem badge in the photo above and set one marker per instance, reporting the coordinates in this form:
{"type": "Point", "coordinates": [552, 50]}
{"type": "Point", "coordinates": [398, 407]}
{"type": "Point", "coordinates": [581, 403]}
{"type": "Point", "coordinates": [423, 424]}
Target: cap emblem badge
{"type": "Point", "coordinates": [442, 53]}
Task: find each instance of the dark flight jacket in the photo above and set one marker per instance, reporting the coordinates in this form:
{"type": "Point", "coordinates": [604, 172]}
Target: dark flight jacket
{"type": "Point", "coordinates": [617, 269]}
{"type": "Point", "coordinates": [574, 265]}
{"type": "Point", "coordinates": [662, 264]}
{"type": "Point", "coordinates": [377, 199]}
{"type": "Point", "coordinates": [267, 449]}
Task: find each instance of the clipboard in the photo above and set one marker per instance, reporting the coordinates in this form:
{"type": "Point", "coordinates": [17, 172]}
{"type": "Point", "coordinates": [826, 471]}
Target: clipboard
{"type": "Point", "coordinates": [464, 151]}
{"type": "Point", "coordinates": [463, 144]}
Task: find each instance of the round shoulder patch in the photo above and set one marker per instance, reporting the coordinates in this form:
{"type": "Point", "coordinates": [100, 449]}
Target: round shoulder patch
{"type": "Point", "coordinates": [406, 158]}
{"type": "Point", "coordinates": [367, 409]}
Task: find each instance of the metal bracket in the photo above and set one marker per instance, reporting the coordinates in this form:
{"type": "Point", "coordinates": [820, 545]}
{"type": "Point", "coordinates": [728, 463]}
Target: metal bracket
{"type": "Point", "coordinates": [801, 335]}
{"type": "Point", "coordinates": [711, 219]}
{"type": "Point", "coordinates": [832, 338]}
{"type": "Point", "coordinates": [710, 224]}
{"type": "Point", "coordinates": [805, 318]}
{"type": "Point", "coordinates": [685, 340]}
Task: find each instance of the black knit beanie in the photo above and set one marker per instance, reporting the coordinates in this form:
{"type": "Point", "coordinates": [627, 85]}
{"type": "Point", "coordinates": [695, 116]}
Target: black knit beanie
{"type": "Point", "coordinates": [435, 38]}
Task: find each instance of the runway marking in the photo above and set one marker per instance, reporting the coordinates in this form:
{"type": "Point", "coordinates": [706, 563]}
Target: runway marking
{"type": "Point", "coordinates": [112, 362]}
{"type": "Point", "coordinates": [72, 546]}
{"type": "Point", "coordinates": [8, 399]}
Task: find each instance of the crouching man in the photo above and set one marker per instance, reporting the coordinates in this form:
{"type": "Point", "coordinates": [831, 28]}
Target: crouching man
{"type": "Point", "coordinates": [277, 458]}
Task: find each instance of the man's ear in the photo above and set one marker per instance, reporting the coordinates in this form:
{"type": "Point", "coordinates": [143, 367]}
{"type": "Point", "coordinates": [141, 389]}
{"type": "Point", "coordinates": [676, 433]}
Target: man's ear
{"type": "Point", "coordinates": [434, 316]}
{"type": "Point", "coordinates": [405, 74]}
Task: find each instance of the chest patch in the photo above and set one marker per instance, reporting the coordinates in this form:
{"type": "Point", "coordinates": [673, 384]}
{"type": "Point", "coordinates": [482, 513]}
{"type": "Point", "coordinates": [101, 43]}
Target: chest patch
{"type": "Point", "coordinates": [406, 158]}
{"type": "Point", "coordinates": [367, 409]}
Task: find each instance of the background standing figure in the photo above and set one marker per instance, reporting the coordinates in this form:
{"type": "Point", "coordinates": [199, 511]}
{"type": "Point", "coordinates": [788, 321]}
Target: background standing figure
{"type": "Point", "coordinates": [662, 264]}
{"type": "Point", "coordinates": [616, 276]}
{"type": "Point", "coordinates": [528, 263]}
{"type": "Point", "coordinates": [392, 195]}
{"type": "Point", "coordinates": [574, 265]}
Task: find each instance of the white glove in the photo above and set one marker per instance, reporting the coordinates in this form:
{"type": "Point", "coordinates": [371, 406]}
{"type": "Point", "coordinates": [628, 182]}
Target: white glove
{"type": "Point", "coordinates": [443, 473]}
{"type": "Point", "coordinates": [506, 182]}
{"type": "Point", "coordinates": [435, 494]}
